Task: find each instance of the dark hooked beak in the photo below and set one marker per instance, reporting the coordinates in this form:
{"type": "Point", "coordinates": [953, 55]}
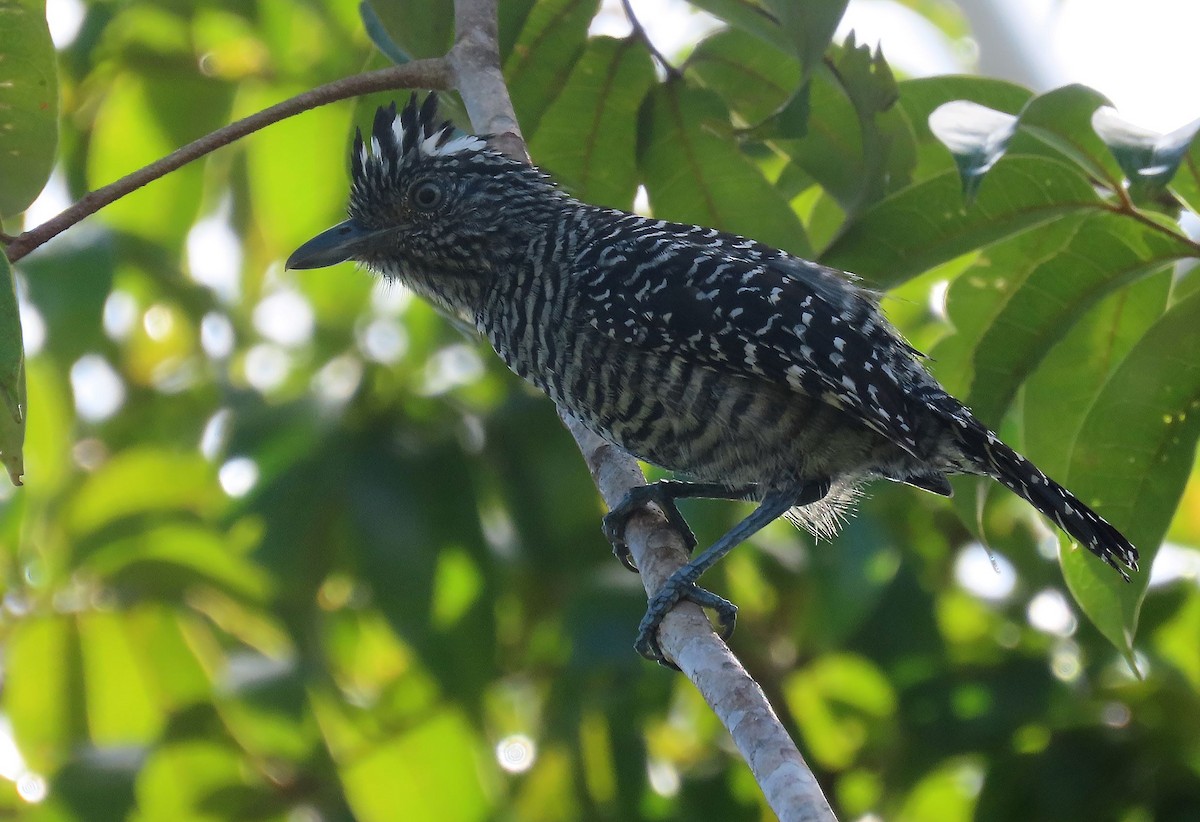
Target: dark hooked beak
{"type": "Point", "coordinates": [330, 247]}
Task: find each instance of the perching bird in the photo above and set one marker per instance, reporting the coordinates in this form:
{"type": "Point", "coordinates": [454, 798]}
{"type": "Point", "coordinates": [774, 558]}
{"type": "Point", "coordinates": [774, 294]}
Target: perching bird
{"type": "Point", "coordinates": [754, 374]}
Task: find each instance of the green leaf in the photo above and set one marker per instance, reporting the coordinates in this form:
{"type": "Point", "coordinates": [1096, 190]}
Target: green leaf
{"type": "Point", "coordinates": [1062, 121]}
{"type": "Point", "coordinates": [552, 38]}
{"type": "Point", "coordinates": [168, 559]}
{"type": "Point", "coordinates": [12, 376]}
{"type": "Point", "coordinates": [44, 690]}
{"type": "Point", "coordinates": [1056, 397]}
{"type": "Point", "coordinates": [919, 98]}
{"type": "Point", "coordinates": [288, 204]}
{"type": "Point", "coordinates": [832, 699]}
{"type": "Point", "coordinates": [1186, 184]}
{"type": "Point", "coordinates": [977, 137]}
{"type": "Point", "coordinates": [409, 28]}
{"type": "Point", "coordinates": [69, 283]}
{"type": "Point", "coordinates": [588, 136]}
{"type": "Point", "coordinates": [830, 149]}
{"type": "Point", "coordinates": [926, 224]}
{"type": "Point", "coordinates": [378, 32]}
{"type": "Point", "coordinates": [144, 480]}
{"type": "Point", "coordinates": [1149, 159]}
{"type": "Point", "coordinates": [431, 770]}
{"type": "Point", "coordinates": [750, 17]}
{"type": "Point", "coordinates": [1023, 294]}
{"type": "Point", "coordinates": [28, 104]}
{"type": "Point", "coordinates": [123, 706]}
{"type": "Point", "coordinates": [139, 121]}
{"type": "Point", "coordinates": [809, 26]}
{"type": "Point", "coordinates": [1132, 459]}
{"type": "Point", "coordinates": [694, 176]}
{"type": "Point", "coordinates": [181, 777]}
{"type": "Point", "coordinates": [1056, 124]}
{"type": "Point", "coordinates": [889, 144]}
{"type": "Point", "coordinates": [854, 140]}
{"type": "Point", "coordinates": [753, 78]}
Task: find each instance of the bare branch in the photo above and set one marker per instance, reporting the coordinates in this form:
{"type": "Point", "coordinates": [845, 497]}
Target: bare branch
{"type": "Point", "coordinates": [686, 635]}
{"type": "Point", "coordinates": [434, 74]}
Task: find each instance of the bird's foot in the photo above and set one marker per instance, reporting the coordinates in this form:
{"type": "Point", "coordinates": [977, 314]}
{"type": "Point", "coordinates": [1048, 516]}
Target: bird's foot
{"type": "Point", "coordinates": [680, 586]}
{"type": "Point", "coordinates": [661, 494]}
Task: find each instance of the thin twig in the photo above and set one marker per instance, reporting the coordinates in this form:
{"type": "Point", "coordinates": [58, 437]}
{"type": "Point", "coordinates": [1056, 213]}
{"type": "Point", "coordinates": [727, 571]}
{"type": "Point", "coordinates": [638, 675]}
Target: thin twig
{"type": "Point", "coordinates": [641, 34]}
{"type": "Point", "coordinates": [433, 74]}
{"type": "Point", "coordinates": [685, 634]}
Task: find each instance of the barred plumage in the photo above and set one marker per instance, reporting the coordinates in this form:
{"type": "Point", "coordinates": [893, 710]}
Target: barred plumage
{"type": "Point", "coordinates": [732, 363]}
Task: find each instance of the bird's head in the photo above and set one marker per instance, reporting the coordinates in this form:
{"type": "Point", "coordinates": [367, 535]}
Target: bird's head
{"type": "Point", "coordinates": [441, 212]}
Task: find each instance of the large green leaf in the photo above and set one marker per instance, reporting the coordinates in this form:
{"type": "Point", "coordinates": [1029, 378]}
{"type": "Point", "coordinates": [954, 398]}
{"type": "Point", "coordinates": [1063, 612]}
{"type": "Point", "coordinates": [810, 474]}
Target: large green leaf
{"type": "Point", "coordinates": [28, 104]}
{"type": "Point", "coordinates": [920, 97]}
{"type": "Point", "coordinates": [752, 77]}
{"type": "Point", "coordinates": [1056, 397]}
{"type": "Point", "coordinates": [977, 136]}
{"type": "Point", "coordinates": [430, 770]}
{"type": "Point", "coordinates": [1057, 124]}
{"type": "Point", "coordinates": [144, 481]}
{"type": "Point", "coordinates": [140, 119]}
{"type": "Point", "coordinates": [1149, 159]}
{"type": "Point", "coordinates": [12, 377]}
{"type": "Point", "coordinates": [751, 17]}
{"type": "Point", "coordinates": [694, 176]}
{"type": "Point", "coordinates": [1132, 459]}
{"type": "Point", "coordinates": [1062, 120]}
{"type": "Point", "coordinates": [551, 40]}
{"type": "Point", "coordinates": [926, 224]}
{"type": "Point", "coordinates": [1024, 293]}
{"type": "Point", "coordinates": [809, 26]}
{"type": "Point", "coordinates": [588, 136]}
{"type": "Point", "coordinates": [167, 559]}
{"type": "Point", "coordinates": [290, 205]}
{"type": "Point", "coordinates": [44, 689]}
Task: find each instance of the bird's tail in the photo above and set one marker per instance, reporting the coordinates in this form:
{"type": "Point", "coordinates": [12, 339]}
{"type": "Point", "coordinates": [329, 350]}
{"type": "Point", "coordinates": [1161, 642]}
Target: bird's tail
{"type": "Point", "coordinates": [1024, 478]}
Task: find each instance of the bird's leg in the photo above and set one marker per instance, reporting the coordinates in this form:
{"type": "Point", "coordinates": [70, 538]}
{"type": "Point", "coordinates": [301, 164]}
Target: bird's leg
{"type": "Point", "coordinates": [682, 583]}
{"type": "Point", "coordinates": [663, 494]}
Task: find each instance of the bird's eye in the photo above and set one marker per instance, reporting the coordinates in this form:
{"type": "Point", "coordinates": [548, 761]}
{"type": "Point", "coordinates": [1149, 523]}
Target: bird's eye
{"type": "Point", "coordinates": [426, 195]}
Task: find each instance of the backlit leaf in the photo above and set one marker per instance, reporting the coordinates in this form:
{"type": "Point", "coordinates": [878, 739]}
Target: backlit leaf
{"type": "Point", "coordinates": [976, 135]}
{"type": "Point", "coordinates": [1131, 460]}
{"type": "Point", "coordinates": [1149, 159]}
{"type": "Point", "coordinates": [28, 103]}
{"type": "Point", "coordinates": [587, 138]}
{"type": "Point", "coordinates": [927, 224]}
{"type": "Point", "coordinates": [694, 176]}
{"type": "Point", "coordinates": [14, 407]}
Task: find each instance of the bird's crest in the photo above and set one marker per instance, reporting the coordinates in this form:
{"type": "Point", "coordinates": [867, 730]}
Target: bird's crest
{"type": "Point", "coordinates": [400, 138]}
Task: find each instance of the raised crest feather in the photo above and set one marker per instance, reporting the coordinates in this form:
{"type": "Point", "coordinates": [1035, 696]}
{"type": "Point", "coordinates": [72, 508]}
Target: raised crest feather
{"type": "Point", "coordinates": [399, 136]}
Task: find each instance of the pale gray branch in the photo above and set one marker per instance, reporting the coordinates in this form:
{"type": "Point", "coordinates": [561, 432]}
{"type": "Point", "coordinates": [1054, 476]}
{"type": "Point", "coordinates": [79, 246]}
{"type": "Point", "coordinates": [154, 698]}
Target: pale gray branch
{"type": "Point", "coordinates": [686, 635]}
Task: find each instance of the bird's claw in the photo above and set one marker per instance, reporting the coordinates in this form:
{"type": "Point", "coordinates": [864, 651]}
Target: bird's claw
{"type": "Point", "coordinates": [680, 587]}
{"type": "Point", "coordinates": [617, 519]}
{"type": "Point", "coordinates": [613, 525]}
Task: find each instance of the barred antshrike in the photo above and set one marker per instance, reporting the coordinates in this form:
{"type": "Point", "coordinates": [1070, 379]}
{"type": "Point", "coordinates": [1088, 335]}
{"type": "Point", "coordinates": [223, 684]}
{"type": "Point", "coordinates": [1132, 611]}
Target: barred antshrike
{"type": "Point", "coordinates": [753, 373]}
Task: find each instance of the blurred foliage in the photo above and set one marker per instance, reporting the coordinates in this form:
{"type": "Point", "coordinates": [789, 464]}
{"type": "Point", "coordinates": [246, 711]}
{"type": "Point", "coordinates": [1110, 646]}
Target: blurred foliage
{"type": "Point", "coordinates": [291, 547]}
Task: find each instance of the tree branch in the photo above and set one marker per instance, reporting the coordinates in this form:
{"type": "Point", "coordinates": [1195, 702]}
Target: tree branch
{"type": "Point", "coordinates": [686, 636]}
{"type": "Point", "coordinates": [435, 74]}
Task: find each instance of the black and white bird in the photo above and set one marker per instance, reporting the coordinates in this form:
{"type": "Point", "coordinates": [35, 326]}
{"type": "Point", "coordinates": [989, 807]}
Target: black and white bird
{"type": "Point", "coordinates": [747, 371]}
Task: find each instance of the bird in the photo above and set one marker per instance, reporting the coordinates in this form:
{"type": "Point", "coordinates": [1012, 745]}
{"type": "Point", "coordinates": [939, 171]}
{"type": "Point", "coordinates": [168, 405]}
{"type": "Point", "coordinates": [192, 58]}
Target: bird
{"type": "Point", "coordinates": [744, 371]}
